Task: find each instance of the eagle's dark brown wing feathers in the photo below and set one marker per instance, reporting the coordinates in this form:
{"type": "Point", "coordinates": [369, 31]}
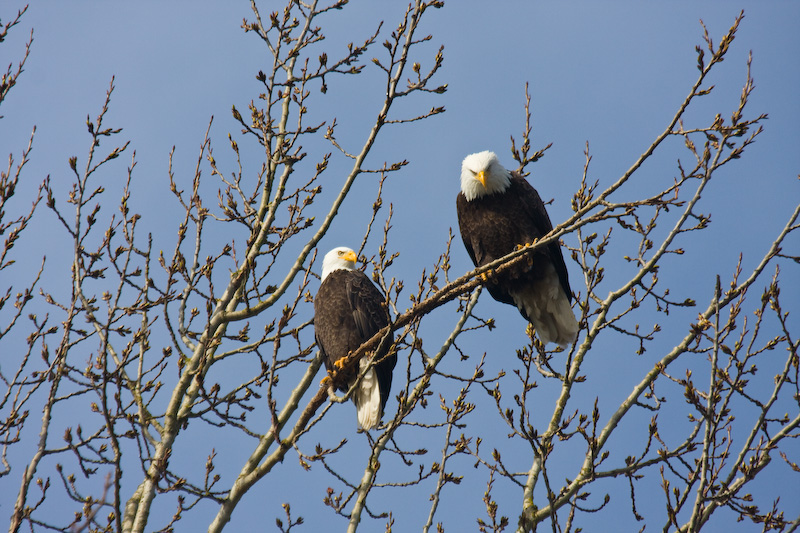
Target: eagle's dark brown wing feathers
{"type": "Point", "coordinates": [517, 216]}
{"type": "Point", "coordinates": [367, 305]}
{"type": "Point", "coordinates": [535, 208]}
{"type": "Point", "coordinates": [348, 311]}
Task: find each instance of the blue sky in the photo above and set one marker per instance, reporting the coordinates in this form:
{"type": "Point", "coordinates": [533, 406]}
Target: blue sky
{"type": "Point", "coordinates": [610, 74]}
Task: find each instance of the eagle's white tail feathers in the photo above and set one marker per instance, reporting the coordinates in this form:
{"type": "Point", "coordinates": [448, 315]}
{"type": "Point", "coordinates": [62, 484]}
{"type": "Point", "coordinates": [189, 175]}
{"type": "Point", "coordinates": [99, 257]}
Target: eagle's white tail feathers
{"type": "Point", "coordinates": [548, 309]}
{"type": "Point", "coordinates": [368, 398]}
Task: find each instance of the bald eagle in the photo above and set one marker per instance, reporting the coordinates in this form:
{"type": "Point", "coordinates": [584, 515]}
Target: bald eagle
{"type": "Point", "coordinates": [348, 311]}
{"type": "Point", "coordinates": [498, 211]}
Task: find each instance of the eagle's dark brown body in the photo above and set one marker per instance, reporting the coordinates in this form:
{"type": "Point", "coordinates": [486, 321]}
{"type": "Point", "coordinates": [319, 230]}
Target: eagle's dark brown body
{"type": "Point", "coordinates": [492, 226]}
{"type": "Point", "coordinates": [349, 310]}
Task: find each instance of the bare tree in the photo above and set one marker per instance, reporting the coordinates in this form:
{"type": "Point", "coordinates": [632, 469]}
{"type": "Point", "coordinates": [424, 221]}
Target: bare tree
{"type": "Point", "coordinates": [216, 335]}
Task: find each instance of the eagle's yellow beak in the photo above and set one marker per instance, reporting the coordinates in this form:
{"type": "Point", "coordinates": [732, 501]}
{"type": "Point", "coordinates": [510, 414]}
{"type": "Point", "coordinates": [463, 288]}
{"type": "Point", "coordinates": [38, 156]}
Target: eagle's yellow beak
{"type": "Point", "coordinates": [350, 256]}
{"type": "Point", "coordinates": [481, 176]}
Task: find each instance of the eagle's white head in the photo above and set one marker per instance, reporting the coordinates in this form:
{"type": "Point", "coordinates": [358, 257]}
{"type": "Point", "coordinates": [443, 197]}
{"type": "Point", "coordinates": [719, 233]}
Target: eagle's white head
{"type": "Point", "coordinates": [482, 174]}
{"type": "Point", "coordinates": [338, 258]}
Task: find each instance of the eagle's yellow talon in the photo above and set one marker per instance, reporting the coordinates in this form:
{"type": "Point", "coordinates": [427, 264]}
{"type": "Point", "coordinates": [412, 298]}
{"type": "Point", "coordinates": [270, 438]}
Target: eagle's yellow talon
{"type": "Point", "coordinates": [486, 276]}
{"type": "Point", "coordinates": [325, 381]}
{"type": "Point", "coordinates": [339, 363]}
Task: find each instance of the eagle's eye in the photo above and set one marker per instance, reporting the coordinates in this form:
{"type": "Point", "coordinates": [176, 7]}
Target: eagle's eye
{"type": "Point", "coordinates": [341, 252]}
